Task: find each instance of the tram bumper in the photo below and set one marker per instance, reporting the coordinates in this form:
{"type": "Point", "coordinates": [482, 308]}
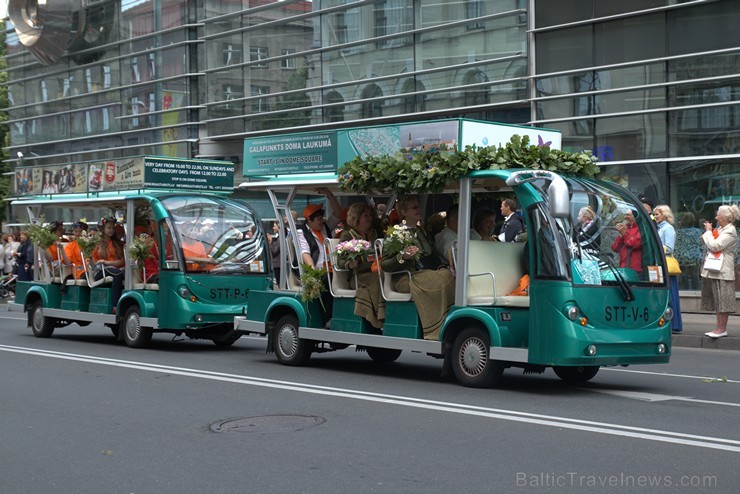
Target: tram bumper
{"type": "Point", "coordinates": [609, 347]}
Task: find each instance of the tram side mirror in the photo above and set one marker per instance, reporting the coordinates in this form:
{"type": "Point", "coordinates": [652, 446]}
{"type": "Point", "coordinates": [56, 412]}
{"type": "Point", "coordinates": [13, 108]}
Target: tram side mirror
{"type": "Point", "coordinates": [559, 197]}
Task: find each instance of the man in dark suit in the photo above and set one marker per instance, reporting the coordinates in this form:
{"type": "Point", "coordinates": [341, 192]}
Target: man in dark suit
{"type": "Point", "coordinates": [512, 223]}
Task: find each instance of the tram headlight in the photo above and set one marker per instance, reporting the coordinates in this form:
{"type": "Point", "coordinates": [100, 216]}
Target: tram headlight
{"type": "Point", "coordinates": [591, 350]}
{"type": "Point", "coordinates": [662, 348]}
{"type": "Point", "coordinates": [198, 318]}
{"type": "Point", "coordinates": [572, 312]}
{"type": "Point", "coordinates": [668, 314]}
{"type": "Point", "coordinates": [185, 293]}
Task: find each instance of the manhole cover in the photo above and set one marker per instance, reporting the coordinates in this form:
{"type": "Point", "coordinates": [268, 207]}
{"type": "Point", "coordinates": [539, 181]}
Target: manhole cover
{"type": "Point", "coordinates": [268, 424]}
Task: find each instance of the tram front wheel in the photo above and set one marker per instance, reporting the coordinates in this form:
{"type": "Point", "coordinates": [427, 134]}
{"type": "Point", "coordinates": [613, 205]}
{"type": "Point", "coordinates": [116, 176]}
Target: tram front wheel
{"type": "Point", "coordinates": [471, 362]}
{"type": "Point", "coordinates": [578, 374]}
{"type": "Point", "coordinates": [133, 334]}
{"type": "Point", "coordinates": [42, 326]}
{"type": "Point", "coordinates": [289, 348]}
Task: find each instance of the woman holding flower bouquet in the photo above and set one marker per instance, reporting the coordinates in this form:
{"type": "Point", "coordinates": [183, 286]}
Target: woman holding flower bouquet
{"type": "Point", "coordinates": [355, 253]}
{"type": "Point", "coordinates": [408, 248]}
{"type": "Point", "coordinates": [109, 254]}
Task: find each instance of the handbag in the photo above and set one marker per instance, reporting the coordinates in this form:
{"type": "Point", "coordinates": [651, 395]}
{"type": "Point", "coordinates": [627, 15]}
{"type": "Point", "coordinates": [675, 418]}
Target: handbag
{"type": "Point", "coordinates": [713, 262]}
{"type": "Point", "coordinates": [674, 269]}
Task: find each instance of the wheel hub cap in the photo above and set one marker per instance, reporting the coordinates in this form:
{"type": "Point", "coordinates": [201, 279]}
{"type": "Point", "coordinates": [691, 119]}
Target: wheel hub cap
{"type": "Point", "coordinates": [473, 357]}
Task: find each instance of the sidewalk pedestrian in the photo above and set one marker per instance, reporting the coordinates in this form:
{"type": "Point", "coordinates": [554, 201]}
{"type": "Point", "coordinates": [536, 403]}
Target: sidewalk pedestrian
{"type": "Point", "coordinates": [667, 233]}
{"type": "Point", "coordinates": [718, 287]}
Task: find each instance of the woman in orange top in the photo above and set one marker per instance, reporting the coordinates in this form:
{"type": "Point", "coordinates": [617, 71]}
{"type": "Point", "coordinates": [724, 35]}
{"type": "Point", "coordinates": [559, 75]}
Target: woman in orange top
{"type": "Point", "coordinates": [54, 254]}
{"type": "Point", "coordinates": [109, 254]}
{"type": "Point", "coordinates": [73, 251]}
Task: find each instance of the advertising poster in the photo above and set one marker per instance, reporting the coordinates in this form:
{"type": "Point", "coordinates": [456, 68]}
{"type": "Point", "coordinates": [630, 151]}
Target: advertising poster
{"type": "Point", "coordinates": [391, 139]}
{"type": "Point", "coordinates": [291, 153]}
{"type": "Point", "coordinates": [95, 177]}
{"type": "Point", "coordinates": [207, 175]}
{"type": "Point", "coordinates": [23, 181]}
{"type": "Point", "coordinates": [487, 134]}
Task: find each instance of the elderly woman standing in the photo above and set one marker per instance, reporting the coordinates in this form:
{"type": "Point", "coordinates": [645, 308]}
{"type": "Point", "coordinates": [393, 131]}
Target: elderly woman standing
{"type": "Point", "coordinates": [718, 287]}
{"type": "Point", "coordinates": [667, 233]}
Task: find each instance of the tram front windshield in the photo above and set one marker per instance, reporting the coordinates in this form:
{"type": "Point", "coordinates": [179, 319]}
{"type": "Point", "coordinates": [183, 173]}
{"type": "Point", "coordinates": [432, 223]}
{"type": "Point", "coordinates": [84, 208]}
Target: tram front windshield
{"type": "Point", "coordinates": [216, 234]}
{"type": "Point", "coordinates": [607, 240]}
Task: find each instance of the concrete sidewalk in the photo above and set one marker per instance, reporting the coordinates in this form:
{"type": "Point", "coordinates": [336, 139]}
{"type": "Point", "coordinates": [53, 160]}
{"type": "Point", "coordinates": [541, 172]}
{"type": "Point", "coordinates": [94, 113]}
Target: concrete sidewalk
{"type": "Point", "coordinates": [695, 325]}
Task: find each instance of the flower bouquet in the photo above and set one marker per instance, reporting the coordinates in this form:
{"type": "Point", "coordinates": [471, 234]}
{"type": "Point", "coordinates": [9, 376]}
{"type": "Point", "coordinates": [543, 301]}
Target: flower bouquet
{"type": "Point", "coordinates": [353, 250]}
{"type": "Point", "coordinates": [87, 242]}
{"type": "Point", "coordinates": [397, 238]}
{"type": "Point", "coordinates": [141, 248]}
{"type": "Point", "coordinates": [40, 234]}
{"type": "Point", "coordinates": [312, 283]}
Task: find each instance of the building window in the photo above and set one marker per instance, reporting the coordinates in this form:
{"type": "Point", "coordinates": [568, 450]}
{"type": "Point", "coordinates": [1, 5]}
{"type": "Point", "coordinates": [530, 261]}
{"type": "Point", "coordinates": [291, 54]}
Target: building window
{"type": "Point", "coordinates": [260, 105]}
{"type": "Point", "coordinates": [334, 112]}
{"type": "Point", "coordinates": [257, 54]}
{"type": "Point", "coordinates": [230, 93]}
{"type": "Point", "coordinates": [135, 74]}
{"type": "Point", "coordinates": [288, 63]}
{"type": "Point", "coordinates": [586, 105]}
{"type": "Point", "coordinates": [232, 54]}
{"type": "Point", "coordinates": [380, 21]}
{"type": "Point", "coordinates": [413, 103]}
{"type": "Point", "coordinates": [474, 10]}
{"type": "Point", "coordinates": [106, 77]}
{"type": "Point", "coordinates": [372, 105]}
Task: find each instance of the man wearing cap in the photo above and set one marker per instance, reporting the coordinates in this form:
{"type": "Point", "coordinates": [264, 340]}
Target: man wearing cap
{"type": "Point", "coordinates": [629, 242]}
{"type": "Point", "coordinates": [311, 242]}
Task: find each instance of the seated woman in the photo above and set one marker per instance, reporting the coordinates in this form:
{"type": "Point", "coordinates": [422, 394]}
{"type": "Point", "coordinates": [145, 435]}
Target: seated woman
{"type": "Point", "coordinates": [74, 252]}
{"type": "Point", "coordinates": [368, 301]}
{"type": "Point", "coordinates": [432, 289]}
{"type": "Point", "coordinates": [109, 254]}
{"type": "Point", "coordinates": [483, 222]}
{"type": "Point", "coordinates": [55, 253]}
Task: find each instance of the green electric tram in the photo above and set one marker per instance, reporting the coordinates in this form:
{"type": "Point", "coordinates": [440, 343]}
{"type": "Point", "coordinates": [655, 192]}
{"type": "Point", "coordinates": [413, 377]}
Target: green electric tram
{"type": "Point", "coordinates": [584, 308]}
{"type": "Point", "coordinates": [208, 252]}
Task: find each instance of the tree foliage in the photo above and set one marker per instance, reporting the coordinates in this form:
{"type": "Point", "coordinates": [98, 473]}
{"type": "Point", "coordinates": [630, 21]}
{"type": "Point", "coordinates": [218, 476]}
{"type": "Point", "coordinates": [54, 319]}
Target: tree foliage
{"type": "Point", "coordinates": [429, 172]}
{"type": "Point", "coordinates": [5, 190]}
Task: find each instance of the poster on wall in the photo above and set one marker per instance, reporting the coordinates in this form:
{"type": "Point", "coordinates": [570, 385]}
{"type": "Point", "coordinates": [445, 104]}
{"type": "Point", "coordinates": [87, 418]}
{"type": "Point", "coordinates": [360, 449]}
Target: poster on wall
{"type": "Point", "coordinates": [291, 153]}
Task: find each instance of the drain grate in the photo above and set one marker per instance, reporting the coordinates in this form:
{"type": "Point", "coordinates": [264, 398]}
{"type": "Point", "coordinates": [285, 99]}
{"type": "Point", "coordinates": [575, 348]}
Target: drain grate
{"type": "Point", "coordinates": [267, 424]}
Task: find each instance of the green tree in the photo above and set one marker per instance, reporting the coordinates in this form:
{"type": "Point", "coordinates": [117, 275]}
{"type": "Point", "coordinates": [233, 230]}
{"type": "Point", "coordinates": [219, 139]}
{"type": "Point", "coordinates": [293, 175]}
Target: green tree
{"type": "Point", "coordinates": [5, 190]}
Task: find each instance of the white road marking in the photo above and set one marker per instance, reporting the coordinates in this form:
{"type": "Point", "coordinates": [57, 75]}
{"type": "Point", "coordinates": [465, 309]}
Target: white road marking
{"type": "Point", "coordinates": [665, 374]}
{"type": "Point", "coordinates": [492, 413]}
{"type": "Point", "coordinates": [652, 397]}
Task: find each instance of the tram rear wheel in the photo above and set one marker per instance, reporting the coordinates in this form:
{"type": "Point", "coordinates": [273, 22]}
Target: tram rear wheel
{"type": "Point", "coordinates": [471, 362]}
{"type": "Point", "coordinates": [133, 334]}
{"type": "Point", "coordinates": [383, 355]}
{"type": "Point", "coordinates": [42, 326]}
{"type": "Point", "coordinates": [578, 374]}
{"type": "Point", "coordinates": [289, 348]}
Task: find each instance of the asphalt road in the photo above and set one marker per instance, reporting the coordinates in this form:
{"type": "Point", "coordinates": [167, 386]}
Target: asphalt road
{"type": "Point", "coordinates": [80, 414]}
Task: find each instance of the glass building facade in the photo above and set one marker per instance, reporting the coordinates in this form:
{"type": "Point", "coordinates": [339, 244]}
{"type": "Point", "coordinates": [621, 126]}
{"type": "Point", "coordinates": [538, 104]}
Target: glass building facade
{"type": "Point", "coordinates": [651, 86]}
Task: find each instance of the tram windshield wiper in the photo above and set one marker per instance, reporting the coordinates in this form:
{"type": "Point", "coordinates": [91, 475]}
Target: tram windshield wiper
{"type": "Point", "coordinates": [624, 287]}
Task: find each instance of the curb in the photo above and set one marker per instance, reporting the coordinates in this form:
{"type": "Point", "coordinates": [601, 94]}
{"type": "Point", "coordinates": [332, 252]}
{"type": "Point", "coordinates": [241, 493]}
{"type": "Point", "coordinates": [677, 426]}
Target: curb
{"type": "Point", "coordinates": [701, 341]}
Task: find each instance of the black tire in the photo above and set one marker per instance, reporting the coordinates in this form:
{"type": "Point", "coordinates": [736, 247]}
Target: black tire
{"type": "Point", "coordinates": [82, 324]}
{"type": "Point", "coordinates": [471, 362]}
{"type": "Point", "coordinates": [42, 326]}
{"type": "Point", "coordinates": [227, 340]}
{"type": "Point", "coordinates": [289, 348]}
{"type": "Point", "coordinates": [133, 334]}
{"type": "Point", "coordinates": [576, 374]}
{"type": "Point", "coordinates": [383, 355]}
